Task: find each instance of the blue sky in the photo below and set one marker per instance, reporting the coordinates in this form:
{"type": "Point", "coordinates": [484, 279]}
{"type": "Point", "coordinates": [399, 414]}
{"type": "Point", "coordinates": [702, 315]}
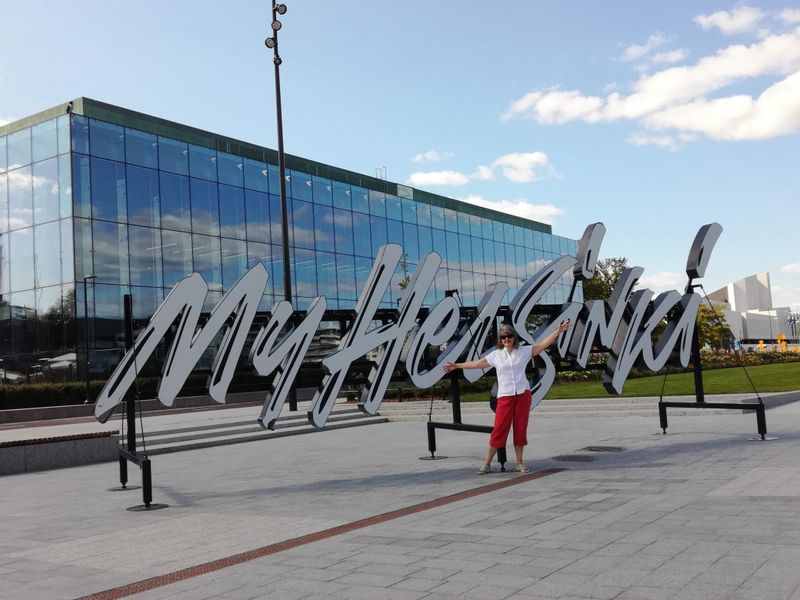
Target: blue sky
{"type": "Point", "coordinates": [653, 117]}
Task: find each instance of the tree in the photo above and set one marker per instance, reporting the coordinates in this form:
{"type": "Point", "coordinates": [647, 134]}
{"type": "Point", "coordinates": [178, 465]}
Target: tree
{"type": "Point", "coordinates": [606, 274]}
{"type": "Point", "coordinates": [712, 328]}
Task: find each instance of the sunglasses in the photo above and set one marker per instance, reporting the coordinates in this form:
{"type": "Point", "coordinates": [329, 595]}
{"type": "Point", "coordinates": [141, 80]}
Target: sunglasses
{"type": "Point", "coordinates": [507, 336]}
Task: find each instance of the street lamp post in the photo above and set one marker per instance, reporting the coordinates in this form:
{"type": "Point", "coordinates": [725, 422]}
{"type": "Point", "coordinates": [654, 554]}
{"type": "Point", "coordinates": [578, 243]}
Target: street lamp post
{"type": "Point", "coordinates": [86, 331]}
{"type": "Point", "coordinates": [272, 42]}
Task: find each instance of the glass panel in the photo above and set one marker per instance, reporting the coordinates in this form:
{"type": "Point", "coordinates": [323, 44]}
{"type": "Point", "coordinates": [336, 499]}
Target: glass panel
{"type": "Point", "coordinates": [52, 319]}
{"type": "Point", "coordinates": [108, 191]}
{"type": "Point", "coordinates": [274, 181]}
{"type": "Point", "coordinates": [202, 162]}
{"type": "Point", "coordinates": [234, 261]}
{"type": "Point", "coordinates": [175, 205]}
{"type": "Point", "coordinates": [22, 272]}
{"type": "Point", "coordinates": [477, 255]}
{"type": "Point", "coordinates": [45, 140]}
{"type": "Point", "coordinates": [341, 195]}
{"type": "Point", "coordinates": [255, 175]}
{"type": "Point", "coordinates": [500, 259]}
{"type": "Point", "coordinates": [19, 148]}
{"type": "Point", "coordinates": [363, 268]}
{"type": "Point", "coordinates": [425, 241]}
{"type": "Point", "coordinates": [346, 276]}
{"type": "Point", "coordinates": [145, 302]}
{"type": "Point", "coordinates": [450, 220]}
{"type": "Point", "coordinates": [497, 229]}
{"type": "Point", "coordinates": [488, 257]}
{"type": "Point", "coordinates": [424, 214]}
{"type": "Point", "coordinates": [107, 140]}
{"type": "Point", "coordinates": [143, 205]}
{"type": "Point", "coordinates": [208, 260]}
{"type": "Point", "coordinates": [45, 191]}
{"type": "Point", "coordinates": [80, 134]}
{"type": "Point", "coordinates": [230, 169]}
{"type": "Point", "coordinates": [302, 220]}
{"type": "Point", "coordinates": [440, 247]}
{"type": "Point", "coordinates": [486, 229]}
{"type": "Point", "coordinates": [528, 233]}
{"type": "Point", "coordinates": [62, 123]}
{"type": "Point", "coordinates": [323, 221]}
{"type": "Point", "coordinates": [64, 186]}
{"type": "Point", "coordinates": [258, 225]}
{"type": "Point", "coordinates": [301, 185]}
{"type": "Point", "coordinates": [110, 252]}
{"type": "Point", "coordinates": [141, 148]}
{"type": "Point", "coordinates": [409, 211]}
{"type": "Point", "coordinates": [360, 198]}
{"type": "Point", "coordinates": [3, 202]}
{"type": "Point", "coordinates": [475, 225]}
{"type": "Point", "coordinates": [323, 190]}
{"type": "Point", "coordinates": [5, 265]}
{"type": "Point", "coordinates": [47, 256]}
{"type": "Point", "coordinates": [519, 236]}
{"type": "Point", "coordinates": [205, 207]}
{"type": "Point", "coordinates": [81, 185]}
{"type": "Point", "coordinates": [3, 155]}
{"type": "Point", "coordinates": [394, 232]}
{"type": "Point", "coordinates": [177, 256]}
{"type": "Point", "coordinates": [437, 217]}
{"type": "Point", "coordinates": [326, 274]}
{"type": "Point", "coordinates": [463, 223]}
{"type": "Point", "coordinates": [270, 257]}
{"type": "Point", "coordinates": [411, 242]}
{"type": "Point", "coordinates": [378, 231]}
{"type": "Point", "coordinates": [83, 248]}
{"type": "Point", "coordinates": [361, 235]}
{"type": "Point", "coordinates": [304, 273]}
{"type": "Point", "coordinates": [276, 224]}
{"type": "Point", "coordinates": [393, 208]}
{"type": "Point", "coordinates": [145, 252]}
{"type": "Point", "coordinates": [20, 198]}
{"type": "Point", "coordinates": [343, 227]}
{"type": "Point", "coordinates": [231, 212]}
{"type": "Point", "coordinates": [377, 203]}
{"type": "Point", "coordinates": [451, 239]}
{"type": "Point", "coordinates": [173, 156]}
{"type": "Point", "coordinates": [67, 253]}
{"type": "Point", "coordinates": [23, 329]}
{"type": "Point", "coordinates": [465, 252]}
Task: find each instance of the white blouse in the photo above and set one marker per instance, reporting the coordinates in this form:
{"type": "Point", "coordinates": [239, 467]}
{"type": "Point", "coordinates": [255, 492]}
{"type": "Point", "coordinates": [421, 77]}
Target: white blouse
{"type": "Point", "coordinates": [510, 369]}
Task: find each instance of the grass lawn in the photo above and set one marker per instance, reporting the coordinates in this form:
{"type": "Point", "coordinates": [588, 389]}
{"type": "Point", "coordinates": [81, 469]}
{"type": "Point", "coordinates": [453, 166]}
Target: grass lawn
{"type": "Point", "coordinates": [783, 377]}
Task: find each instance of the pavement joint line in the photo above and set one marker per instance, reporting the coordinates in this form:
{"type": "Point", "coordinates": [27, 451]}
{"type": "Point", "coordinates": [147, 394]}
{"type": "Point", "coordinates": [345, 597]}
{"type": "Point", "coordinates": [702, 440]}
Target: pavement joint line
{"type": "Point", "coordinates": [243, 557]}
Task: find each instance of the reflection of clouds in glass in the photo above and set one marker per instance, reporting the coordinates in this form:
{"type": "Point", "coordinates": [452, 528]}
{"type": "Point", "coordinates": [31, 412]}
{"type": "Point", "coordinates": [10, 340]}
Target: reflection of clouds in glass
{"type": "Point", "coordinates": [233, 231]}
{"type": "Point", "coordinates": [174, 222]}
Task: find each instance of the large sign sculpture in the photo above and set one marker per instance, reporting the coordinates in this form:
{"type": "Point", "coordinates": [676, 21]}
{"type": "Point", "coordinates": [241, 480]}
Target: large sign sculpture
{"type": "Point", "coordinates": [624, 326]}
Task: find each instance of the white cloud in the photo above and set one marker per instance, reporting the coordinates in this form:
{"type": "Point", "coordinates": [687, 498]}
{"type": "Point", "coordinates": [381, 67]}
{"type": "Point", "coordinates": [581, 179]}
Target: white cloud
{"type": "Point", "coordinates": [666, 142]}
{"type": "Point", "coordinates": [661, 280]}
{"type": "Point", "coordinates": [791, 268]}
{"type": "Point", "coordinates": [738, 20]}
{"type": "Point", "coordinates": [790, 16]}
{"type": "Point", "coordinates": [483, 173]}
{"type": "Point", "coordinates": [635, 52]}
{"type": "Point", "coordinates": [676, 97]}
{"type": "Point", "coordinates": [438, 178]}
{"type": "Point", "coordinates": [668, 58]}
{"type": "Point", "coordinates": [519, 167]}
{"type": "Point", "coordinates": [522, 167]}
{"type": "Point", "coordinates": [544, 213]}
{"type": "Point", "coordinates": [776, 112]}
{"type": "Point", "coordinates": [431, 156]}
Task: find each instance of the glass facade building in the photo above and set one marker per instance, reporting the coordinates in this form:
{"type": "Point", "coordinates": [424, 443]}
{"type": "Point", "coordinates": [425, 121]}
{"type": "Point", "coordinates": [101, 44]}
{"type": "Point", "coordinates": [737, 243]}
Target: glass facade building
{"type": "Point", "coordinates": [97, 201]}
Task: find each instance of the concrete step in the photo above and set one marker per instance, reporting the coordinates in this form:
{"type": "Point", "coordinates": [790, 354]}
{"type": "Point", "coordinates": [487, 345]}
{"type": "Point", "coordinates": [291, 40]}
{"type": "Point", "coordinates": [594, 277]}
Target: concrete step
{"type": "Point", "coordinates": [240, 431]}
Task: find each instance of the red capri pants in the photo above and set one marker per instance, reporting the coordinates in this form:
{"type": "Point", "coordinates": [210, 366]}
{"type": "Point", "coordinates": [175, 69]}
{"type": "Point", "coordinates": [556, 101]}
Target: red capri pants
{"type": "Point", "coordinates": [510, 409]}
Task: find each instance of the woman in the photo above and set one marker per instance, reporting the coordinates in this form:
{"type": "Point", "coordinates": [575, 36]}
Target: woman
{"type": "Point", "coordinates": [513, 392]}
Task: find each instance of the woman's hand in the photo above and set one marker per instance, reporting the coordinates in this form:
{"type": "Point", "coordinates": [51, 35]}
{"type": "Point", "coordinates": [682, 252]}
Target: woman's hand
{"type": "Point", "coordinates": [564, 326]}
{"type": "Point", "coordinates": [449, 366]}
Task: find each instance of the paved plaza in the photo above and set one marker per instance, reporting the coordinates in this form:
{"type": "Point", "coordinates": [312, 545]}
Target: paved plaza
{"type": "Point", "coordinates": [701, 513]}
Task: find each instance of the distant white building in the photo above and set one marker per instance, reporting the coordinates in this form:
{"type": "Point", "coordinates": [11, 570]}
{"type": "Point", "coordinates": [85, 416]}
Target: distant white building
{"type": "Point", "coordinates": [747, 304]}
